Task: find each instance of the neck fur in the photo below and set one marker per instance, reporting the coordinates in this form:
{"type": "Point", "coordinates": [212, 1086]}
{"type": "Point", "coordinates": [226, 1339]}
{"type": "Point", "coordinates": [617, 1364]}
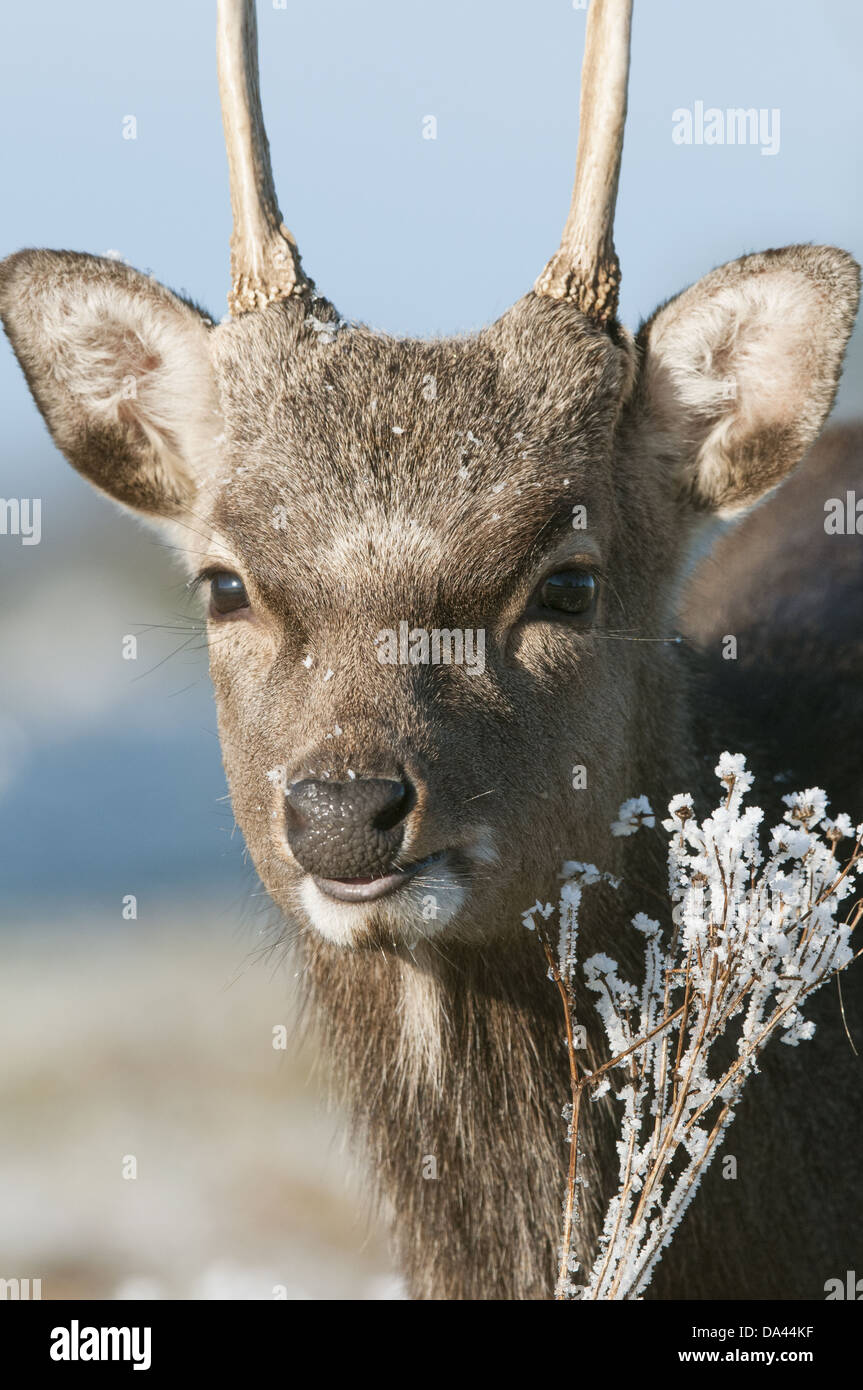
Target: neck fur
{"type": "Point", "coordinates": [455, 1074]}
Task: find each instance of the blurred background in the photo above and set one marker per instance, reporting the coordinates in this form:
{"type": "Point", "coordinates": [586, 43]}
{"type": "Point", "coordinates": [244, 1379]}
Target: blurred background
{"type": "Point", "coordinates": [151, 1036]}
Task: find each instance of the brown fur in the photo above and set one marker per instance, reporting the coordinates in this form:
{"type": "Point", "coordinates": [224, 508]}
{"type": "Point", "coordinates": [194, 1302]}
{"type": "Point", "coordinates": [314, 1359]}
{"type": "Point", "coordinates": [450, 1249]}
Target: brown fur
{"type": "Point", "coordinates": [351, 495]}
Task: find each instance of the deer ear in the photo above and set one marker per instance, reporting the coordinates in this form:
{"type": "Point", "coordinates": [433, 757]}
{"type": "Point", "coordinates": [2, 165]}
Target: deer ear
{"type": "Point", "coordinates": [739, 372]}
{"type": "Point", "coordinates": [120, 369]}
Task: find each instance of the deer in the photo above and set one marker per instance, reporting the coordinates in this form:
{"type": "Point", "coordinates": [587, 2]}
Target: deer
{"type": "Point", "coordinates": [553, 481]}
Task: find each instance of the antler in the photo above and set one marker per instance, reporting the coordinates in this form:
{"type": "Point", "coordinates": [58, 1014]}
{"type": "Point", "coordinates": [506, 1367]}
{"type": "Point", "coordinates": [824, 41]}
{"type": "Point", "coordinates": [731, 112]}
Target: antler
{"type": "Point", "coordinates": [586, 270]}
{"type": "Point", "coordinates": [265, 262]}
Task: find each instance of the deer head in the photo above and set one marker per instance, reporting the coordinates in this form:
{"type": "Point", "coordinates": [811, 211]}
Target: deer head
{"type": "Point", "coordinates": [423, 561]}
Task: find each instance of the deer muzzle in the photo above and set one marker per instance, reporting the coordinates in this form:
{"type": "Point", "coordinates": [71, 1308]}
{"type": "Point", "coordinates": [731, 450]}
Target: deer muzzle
{"type": "Point", "coordinates": [348, 832]}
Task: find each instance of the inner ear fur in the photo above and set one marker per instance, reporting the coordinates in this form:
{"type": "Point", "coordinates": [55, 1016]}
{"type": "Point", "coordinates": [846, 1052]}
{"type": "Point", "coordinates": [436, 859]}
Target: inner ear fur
{"type": "Point", "coordinates": [739, 372]}
{"type": "Point", "coordinates": [120, 369]}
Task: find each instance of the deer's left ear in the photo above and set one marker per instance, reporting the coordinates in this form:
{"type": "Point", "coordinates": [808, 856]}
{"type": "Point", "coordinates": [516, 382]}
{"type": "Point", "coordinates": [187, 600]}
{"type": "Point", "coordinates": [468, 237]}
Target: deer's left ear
{"type": "Point", "coordinates": [739, 372]}
{"type": "Point", "coordinates": [120, 369]}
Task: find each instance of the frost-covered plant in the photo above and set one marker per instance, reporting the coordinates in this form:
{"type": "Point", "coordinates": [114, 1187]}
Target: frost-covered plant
{"type": "Point", "coordinates": [751, 936]}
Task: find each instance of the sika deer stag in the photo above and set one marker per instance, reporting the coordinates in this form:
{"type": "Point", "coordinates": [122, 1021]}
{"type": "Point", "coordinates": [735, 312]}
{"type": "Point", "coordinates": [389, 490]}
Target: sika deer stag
{"type": "Point", "coordinates": [404, 811]}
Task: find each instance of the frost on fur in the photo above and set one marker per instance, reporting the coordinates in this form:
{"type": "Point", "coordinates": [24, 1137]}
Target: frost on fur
{"type": "Point", "coordinates": [752, 933]}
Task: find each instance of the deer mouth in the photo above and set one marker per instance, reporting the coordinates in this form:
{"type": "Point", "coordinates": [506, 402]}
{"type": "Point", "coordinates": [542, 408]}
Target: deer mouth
{"type": "Point", "coordinates": [366, 890]}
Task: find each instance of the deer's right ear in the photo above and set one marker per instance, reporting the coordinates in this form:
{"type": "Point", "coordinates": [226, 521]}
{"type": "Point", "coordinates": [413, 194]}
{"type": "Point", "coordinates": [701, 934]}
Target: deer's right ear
{"type": "Point", "coordinates": [120, 369]}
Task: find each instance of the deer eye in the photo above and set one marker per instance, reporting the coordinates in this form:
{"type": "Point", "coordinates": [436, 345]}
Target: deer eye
{"type": "Point", "coordinates": [227, 593]}
{"type": "Point", "coordinates": [568, 591]}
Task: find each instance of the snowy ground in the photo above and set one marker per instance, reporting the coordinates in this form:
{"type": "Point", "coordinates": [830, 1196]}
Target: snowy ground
{"type": "Point", "coordinates": [154, 1042]}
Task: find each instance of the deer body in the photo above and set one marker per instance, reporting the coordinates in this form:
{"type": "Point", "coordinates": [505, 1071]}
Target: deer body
{"type": "Point", "coordinates": [546, 483]}
{"type": "Point", "coordinates": [483, 1098]}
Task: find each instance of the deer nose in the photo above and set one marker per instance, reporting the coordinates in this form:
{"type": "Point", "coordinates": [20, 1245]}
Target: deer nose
{"type": "Point", "coordinates": [347, 830]}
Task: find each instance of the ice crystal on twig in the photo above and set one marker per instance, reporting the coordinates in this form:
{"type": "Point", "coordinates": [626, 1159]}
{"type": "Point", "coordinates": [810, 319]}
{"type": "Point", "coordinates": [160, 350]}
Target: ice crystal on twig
{"type": "Point", "coordinates": [750, 937]}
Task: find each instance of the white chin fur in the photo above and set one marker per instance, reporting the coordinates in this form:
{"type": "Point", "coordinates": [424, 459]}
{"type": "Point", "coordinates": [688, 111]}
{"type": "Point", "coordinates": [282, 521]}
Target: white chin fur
{"type": "Point", "coordinates": [421, 909]}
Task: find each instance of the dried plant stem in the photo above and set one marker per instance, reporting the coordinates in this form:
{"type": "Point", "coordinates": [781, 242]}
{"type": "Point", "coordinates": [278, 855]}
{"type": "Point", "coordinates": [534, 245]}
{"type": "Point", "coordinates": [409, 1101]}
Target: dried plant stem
{"type": "Point", "coordinates": [575, 1090]}
{"type": "Point", "coordinates": [764, 928]}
